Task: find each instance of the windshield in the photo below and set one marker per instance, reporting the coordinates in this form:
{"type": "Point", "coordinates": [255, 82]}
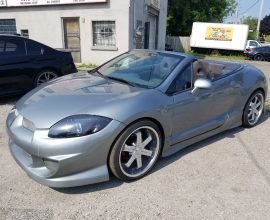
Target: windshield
{"type": "Point", "coordinates": [141, 68]}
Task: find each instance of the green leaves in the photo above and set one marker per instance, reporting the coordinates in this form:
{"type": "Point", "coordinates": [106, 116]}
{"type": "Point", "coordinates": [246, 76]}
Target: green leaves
{"type": "Point", "coordinates": [252, 23]}
{"type": "Point", "coordinates": [182, 14]}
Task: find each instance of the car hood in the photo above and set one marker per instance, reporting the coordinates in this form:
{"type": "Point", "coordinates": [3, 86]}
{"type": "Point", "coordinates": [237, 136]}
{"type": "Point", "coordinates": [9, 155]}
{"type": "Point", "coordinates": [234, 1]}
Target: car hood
{"type": "Point", "coordinates": [74, 94]}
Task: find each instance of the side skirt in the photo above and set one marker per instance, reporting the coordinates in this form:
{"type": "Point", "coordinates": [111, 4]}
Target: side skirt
{"type": "Point", "coordinates": [235, 120]}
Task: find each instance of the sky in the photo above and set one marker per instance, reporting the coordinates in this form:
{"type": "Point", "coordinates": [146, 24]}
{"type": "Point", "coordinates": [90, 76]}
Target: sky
{"type": "Point", "coordinates": [247, 8]}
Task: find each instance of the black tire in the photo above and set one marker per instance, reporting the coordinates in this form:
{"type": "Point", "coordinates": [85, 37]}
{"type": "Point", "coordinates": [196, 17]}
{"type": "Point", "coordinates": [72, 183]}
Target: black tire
{"type": "Point", "coordinates": [259, 57]}
{"type": "Point", "coordinates": [118, 154]}
{"type": "Point", "coordinates": [37, 80]}
{"type": "Point", "coordinates": [248, 121]}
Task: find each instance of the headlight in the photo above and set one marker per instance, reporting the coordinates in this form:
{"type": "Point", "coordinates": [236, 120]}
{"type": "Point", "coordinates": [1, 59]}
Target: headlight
{"type": "Point", "coordinates": [78, 125]}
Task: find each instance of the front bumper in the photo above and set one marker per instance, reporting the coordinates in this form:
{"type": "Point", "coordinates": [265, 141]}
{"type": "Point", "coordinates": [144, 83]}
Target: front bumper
{"type": "Point", "coordinates": [65, 162]}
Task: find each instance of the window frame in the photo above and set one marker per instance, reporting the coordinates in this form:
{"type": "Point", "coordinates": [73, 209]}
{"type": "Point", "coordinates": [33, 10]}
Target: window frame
{"type": "Point", "coordinates": [173, 93]}
{"type": "Point", "coordinates": [29, 42]}
{"type": "Point", "coordinates": [104, 47]}
{"type": "Point", "coordinates": [253, 42]}
{"type": "Point", "coordinates": [9, 29]}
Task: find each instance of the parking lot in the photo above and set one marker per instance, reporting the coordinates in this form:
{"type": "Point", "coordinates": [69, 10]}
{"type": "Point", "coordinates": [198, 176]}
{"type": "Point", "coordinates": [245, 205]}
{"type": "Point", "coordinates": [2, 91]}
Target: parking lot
{"type": "Point", "coordinates": [224, 177]}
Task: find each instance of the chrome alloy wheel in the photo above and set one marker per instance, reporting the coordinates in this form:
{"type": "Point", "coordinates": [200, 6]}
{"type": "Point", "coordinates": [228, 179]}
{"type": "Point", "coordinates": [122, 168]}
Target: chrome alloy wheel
{"type": "Point", "coordinates": [139, 151]}
{"type": "Point", "coordinates": [46, 76]}
{"type": "Point", "coordinates": [255, 109]}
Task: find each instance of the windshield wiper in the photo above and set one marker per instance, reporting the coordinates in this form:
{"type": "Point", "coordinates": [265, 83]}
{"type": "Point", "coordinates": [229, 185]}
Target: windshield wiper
{"type": "Point", "coordinates": [122, 80]}
{"type": "Point", "coordinates": [94, 71]}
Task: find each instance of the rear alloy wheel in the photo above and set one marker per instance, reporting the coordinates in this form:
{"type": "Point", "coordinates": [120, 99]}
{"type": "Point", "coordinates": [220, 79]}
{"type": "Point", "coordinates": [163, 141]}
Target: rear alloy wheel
{"type": "Point", "coordinates": [136, 151]}
{"type": "Point", "coordinates": [259, 57]}
{"type": "Point", "coordinates": [253, 110]}
{"type": "Point", "coordinates": [45, 76]}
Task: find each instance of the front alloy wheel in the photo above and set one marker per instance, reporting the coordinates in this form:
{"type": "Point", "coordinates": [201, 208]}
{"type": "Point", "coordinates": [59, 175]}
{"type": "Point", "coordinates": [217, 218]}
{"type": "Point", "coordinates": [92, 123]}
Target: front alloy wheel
{"type": "Point", "coordinates": [136, 151]}
{"type": "Point", "coordinates": [253, 110]}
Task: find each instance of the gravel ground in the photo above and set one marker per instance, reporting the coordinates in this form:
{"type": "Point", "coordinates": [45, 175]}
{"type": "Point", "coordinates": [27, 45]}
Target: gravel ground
{"type": "Point", "coordinates": [224, 177]}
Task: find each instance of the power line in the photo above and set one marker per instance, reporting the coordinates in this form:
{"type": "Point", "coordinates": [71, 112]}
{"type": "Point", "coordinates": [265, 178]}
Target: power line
{"type": "Point", "coordinates": [250, 7]}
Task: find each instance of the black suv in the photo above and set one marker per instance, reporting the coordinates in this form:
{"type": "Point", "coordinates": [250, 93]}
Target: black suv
{"type": "Point", "coordinates": [25, 64]}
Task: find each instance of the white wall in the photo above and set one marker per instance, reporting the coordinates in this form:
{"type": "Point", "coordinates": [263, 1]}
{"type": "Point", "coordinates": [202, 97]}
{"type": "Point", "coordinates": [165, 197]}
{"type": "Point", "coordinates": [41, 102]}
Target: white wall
{"type": "Point", "coordinates": [45, 25]}
{"type": "Point", "coordinates": [141, 13]}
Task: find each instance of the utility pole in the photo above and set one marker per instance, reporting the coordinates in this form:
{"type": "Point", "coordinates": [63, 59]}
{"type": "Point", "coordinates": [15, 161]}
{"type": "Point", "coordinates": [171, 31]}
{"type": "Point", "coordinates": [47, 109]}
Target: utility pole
{"type": "Point", "coordinates": [237, 12]}
{"type": "Point", "coordinates": [259, 20]}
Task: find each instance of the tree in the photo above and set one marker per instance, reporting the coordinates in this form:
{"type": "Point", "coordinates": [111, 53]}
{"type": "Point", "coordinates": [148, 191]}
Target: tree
{"type": "Point", "coordinates": [252, 23]}
{"type": "Point", "coordinates": [182, 14]}
{"type": "Point", "coordinates": [265, 26]}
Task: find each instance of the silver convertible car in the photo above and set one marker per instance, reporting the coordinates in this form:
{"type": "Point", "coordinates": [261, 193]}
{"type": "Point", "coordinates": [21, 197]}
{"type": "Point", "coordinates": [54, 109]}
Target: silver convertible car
{"type": "Point", "coordinates": [120, 117]}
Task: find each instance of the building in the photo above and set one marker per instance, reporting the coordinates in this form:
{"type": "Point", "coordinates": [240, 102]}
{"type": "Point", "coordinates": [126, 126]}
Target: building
{"type": "Point", "coordinates": [93, 30]}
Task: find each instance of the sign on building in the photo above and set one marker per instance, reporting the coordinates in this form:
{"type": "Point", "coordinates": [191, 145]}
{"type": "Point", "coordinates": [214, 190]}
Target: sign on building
{"type": "Point", "coordinates": [17, 3]}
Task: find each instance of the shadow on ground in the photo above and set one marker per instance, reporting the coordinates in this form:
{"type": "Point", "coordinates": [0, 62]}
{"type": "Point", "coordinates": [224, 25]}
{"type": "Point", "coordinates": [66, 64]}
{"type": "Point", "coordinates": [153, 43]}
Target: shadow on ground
{"type": "Point", "coordinates": [9, 100]}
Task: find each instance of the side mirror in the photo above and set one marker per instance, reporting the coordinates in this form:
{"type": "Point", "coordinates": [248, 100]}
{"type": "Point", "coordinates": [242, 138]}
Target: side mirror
{"type": "Point", "coordinates": [201, 84]}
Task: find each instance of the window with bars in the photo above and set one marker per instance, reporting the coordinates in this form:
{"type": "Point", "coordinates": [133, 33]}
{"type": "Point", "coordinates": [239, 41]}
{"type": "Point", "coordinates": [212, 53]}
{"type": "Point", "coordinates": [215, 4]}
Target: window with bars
{"type": "Point", "coordinates": [8, 26]}
{"type": "Point", "coordinates": [104, 33]}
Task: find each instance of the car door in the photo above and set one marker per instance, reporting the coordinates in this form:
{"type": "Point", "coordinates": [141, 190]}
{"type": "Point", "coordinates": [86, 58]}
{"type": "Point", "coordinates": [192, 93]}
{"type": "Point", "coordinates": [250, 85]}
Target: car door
{"type": "Point", "coordinates": [266, 53]}
{"type": "Point", "coordinates": [12, 61]}
{"type": "Point", "coordinates": [195, 114]}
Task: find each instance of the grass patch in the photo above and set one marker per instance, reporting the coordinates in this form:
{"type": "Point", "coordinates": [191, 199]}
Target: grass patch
{"type": "Point", "coordinates": [84, 66]}
{"type": "Point", "coordinates": [223, 57]}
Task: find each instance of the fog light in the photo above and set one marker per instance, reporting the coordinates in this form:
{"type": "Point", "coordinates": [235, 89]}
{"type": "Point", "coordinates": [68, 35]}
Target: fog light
{"type": "Point", "coordinates": [51, 165]}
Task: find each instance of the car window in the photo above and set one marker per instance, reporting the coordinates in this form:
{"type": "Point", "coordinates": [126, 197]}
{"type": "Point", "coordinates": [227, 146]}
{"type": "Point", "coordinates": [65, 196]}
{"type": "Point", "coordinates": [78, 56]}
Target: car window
{"type": "Point", "coordinates": [12, 47]}
{"type": "Point", "coordinates": [34, 48]}
{"type": "Point", "coordinates": [253, 44]}
{"type": "Point", "coordinates": [127, 61]}
{"type": "Point", "coordinates": [183, 81]}
{"type": "Point", "coordinates": [143, 68]}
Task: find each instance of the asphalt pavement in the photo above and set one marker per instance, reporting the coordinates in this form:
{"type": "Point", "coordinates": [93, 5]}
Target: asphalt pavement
{"type": "Point", "coordinates": [224, 177]}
